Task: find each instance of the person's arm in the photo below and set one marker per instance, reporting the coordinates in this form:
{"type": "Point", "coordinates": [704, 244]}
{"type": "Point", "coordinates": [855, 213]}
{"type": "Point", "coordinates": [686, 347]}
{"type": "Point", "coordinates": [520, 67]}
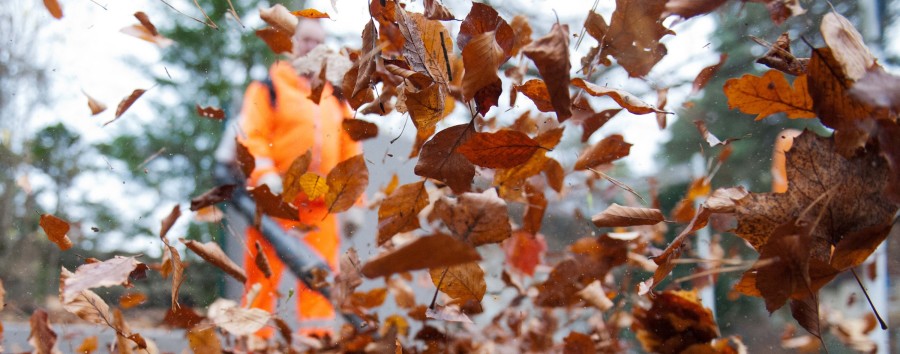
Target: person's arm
{"type": "Point", "coordinates": [256, 134]}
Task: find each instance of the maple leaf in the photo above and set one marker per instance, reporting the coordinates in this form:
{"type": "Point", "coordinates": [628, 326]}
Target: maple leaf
{"type": "Point", "coordinates": [399, 212]}
{"type": "Point", "coordinates": [551, 56]}
{"type": "Point", "coordinates": [435, 251]}
{"type": "Point", "coordinates": [477, 218]}
{"type": "Point", "coordinates": [440, 159]}
{"type": "Point", "coordinates": [635, 30]}
{"type": "Point", "coordinates": [605, 151]}
{"type": "Point", "coordinates": [770, 94]}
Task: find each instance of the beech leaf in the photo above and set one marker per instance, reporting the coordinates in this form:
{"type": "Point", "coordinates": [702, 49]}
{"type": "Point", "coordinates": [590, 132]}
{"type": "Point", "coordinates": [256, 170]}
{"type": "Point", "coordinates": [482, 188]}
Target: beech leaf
{"type": "Point", "coordinates": [477, 218]}
{"type": "Point", "coordinates": [359, 129]}
{"type": "Point", "coordinates": [621, 216]}
{"type": "Point", "coordinates": [440, 159]}
{"type": "Point", "coordinates": [462, 282]}
{"type": "Point", "coordinates": [551, 56]}
{"type": "Point", "coordinates": [624, 99]}
{"type": "Point", "coordinates": [346, 182]}
{"type": "Point", "coordinates": [606, 151]}
{"type": "Point", "coordinates": [634, 34]}
{"type": "Point", "coordinates": [212, 253]}
{"type": "Point", "coordinates": [115, 271]}
{"type": "Point", "coordinates": [421, 253]}
{"type": "Point", "coordinates": [399, 212]}
{"type": "Point", "coordinates": [483, 149]}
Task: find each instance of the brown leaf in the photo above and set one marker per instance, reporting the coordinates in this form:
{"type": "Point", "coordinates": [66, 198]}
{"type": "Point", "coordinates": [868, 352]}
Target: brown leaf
{"type": "Point", "coordinates": [847, 46]}
{"type": "Point", "coordinates": [595, 25]}
{"type": "Point", "coordinates": [483, 149]}
{"type": "Point", "coordinates": [463, 283]}
{"type": "Point", "coordinates": [182, 317]}
{"type": "Point", "coordinates": [261, 261]}
{"type": "Point", "coordinates": [141, 31]}
{"type": "Point", "coordinates": [278, 41]}
{"type": "Point", "coordinates": [578, 343]}
{"type": "Point", "coordinates": [85, 304]}
{"type": "Point", "coordinates": [662, 98]}
{"type": "Point", "coordinates": [215, 195]}
{"type": "Point", "coordinates": [204, 340]}
{"type": "Point", "coordinates": [42, 336]}
{"type": "Point", "coordinates": [126, 103]}
{"type": "Point", "coordinates": [399, 212]}
{"type": "Point", "coordinates": [346, 182]}
{"type": "Point", "coordinates": [359, 129]}
{"type": "Point", "coordinates": [536, 90]}
{"type": "Point", "coordinates": [606, 151]}
{"type": "Point", "coordinates": [348, 279]}
{"type": "Point", "coordinates": [424, 45]}
{"type": "Point", "coordinates": [806, 312]}
{"type": "Point", "coordinates": [594, 295]}
{"type": "Point", "coordinates": [440, 160]}
{"type": "Point", "coordinates": [404, 295]}
{"type": "Point", "coordinates": [115, 271]}
{"type": "Point", "coordinates": [318, 84]}
{"type": "Point", "coordinates": [270, 204]}
{"type": "Point", "coordinates": [96, 106]}
{"type": "Point", "coordinates": [477, 218]}
{"type": "Point", "coordinates": [779, 56]}
{"type": "Point", "coordinates": [522, 33]}
{"type": "Point", "coordinates": [555, 174]}
{"type": "Point", "coordinates": [781, 10]}
{"type": "Point", "coordinates": [524, 251]}
{"type": "Point", "coordinates": [482, 57]}
{"type": "Point", "coordinates": [635, 30]}
{"type": "Point", "coordinates": [421, 254]}
{"type": "Point", "coordinates": [785, 259]}
{"type": "Point", "coordinates": [690, 8]}
{"type": "Point", "coordinates": [447, 313]}
{"type": "Point", "coordinates": [214, 113]}
{"type": "Point", "coordinates": [854, 186]}
{"type": "Point", "coordinates": [145, 21]}
{"type": "Point", "coordinates": [856, 247]}
{"type": "Point", "coordinates": [770, 94]}
{"type": "Point", "coordinates": [370, 299]}
{"type": "Point", "coordinates": [368, 62]}
{"type": "Point", "coordinates": [621, 216]}
{"type": "Point", "coordinates": [292, 177]}
{"type": "Point", "coordinates": [169, 221]}
{"type": "Point", "coordinates": [426, 107]}
{"type": "Point", "coordinates": [54, 9]}
{"type": "Point", "coordinates": [551, 56]}
{"type": "Point", "coordinates": [280, 18]}
{"type": "Point", "coordinates": [707, 74]}
{"type": "Point", "coordinates": [56, 230]}
{"type": "Point", "coordinates": [310, 13]}
{"type": "Point", "coordinates": [245, 159]}
{"type": "Point", "coordinates": [213, 254]}
{"type": "Point", "coordinates": [534, 210]}
{"type": "Point", "coordinates": [624, 99]}
{"type": "Point", "coordinates": [675, 321]}
{"type": "Point", "coordinates": [436, 11]}
{"type": "Point", "coordinates": [173, 264]}
{"type": "Point", "coordinates": [2, 296]}
{"type": "Point", "coordinates": [482, 18]}
{"type": "Point", "coordinates": [129, 300]}
{"type": "Point", "coordinates": [596, 121]}
{"type": "Point", "coordinates": [88, 345]}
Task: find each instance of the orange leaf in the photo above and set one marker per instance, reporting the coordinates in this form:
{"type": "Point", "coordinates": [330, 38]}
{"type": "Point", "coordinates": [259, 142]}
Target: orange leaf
{"type": "Point", "coordinates": [436, 11]}
{"type": "Point", "coordinates": [550, 54]}
{"type": "Point", "coordinates": [203, 339]}
{"type": "Point", "coordinates": [707, 74]}
{"type": "Point", "coordinates": [145, 33]}
{"type": "Point", "coordinates": [88, 345]}
{"type": "Point", "coordinates": [524, 251]}
{"type": "Point", "coordinates": [596, 121]}
{"type": "Point", "coordinates": [440, 160]}
{"type": "Point", "coordinates": [503, 149]}
{"type": "Point", "coordinates": [182, 317]}
{"type": "Point", "coordinates": [578, 343]}
{"type": "Point", "coordinates": [56, 230]}
{"type": "Point", "coordinates": [145, 21]}
{"type": "Point", "coordinates": [421, 254]}
{"type": "Point", "coordinates": [425, 44]}
{"type": "Point", "coordinates": [463, 283]}
{"type": "Point", "coordinates": [425, 106]}
{"type": "Point", "coordinates": [346, 183]}
{"type": "Point", "coordinates": [169, 221]}
{"type": "Point", "coordinates": [623, 98]}
{"type": "Point", "coordinates": [399, 211]}
{"type": "Point", "coordinates": [54, 8]}
{"type": "Point", "coordinates": [635, 30]}
{"type": "Point", "coordinates": [481, 19]}
{"type": "Point", "coordinates": [129, 300]}
{"type": "Point", "coordinates": [478, 218]}
{"type": "Point", "coordinates": [534, 210]}
{"type": "Point", "coordinates": [214, 113]}
{"type": "Point", "coordinates": [126, 103]}
{"type": "Point", "coordinates": [367, 63]}
{"type": "Point", "coordinates": [96, 106]}
{"type": "Point", "coordinates": [536, 90]}
{"type": "Point", "coordinates": [621, 216]}
{"type": "Point", "coordinates": [769, 94]}
{"type": "Point", "coordinates": [482, 57]}
{"type": "Point", "coordinates": [606, 151]}
{"type": "Point", "coordinates": [310, 13]}
{"type": "Point", "coordinates": [313, 185]}
{"type": "Point", "coordinates": [522, 31]}
{"type": "Point", "coordinates": [359, 129]}
{"type": "Point", "coordinates": [212, 253]}
{"type": "Point", "coordinates": [370, 299]}
{"type": "Point", "coordinates": [278, 41]}
{"type": "Point", "coordinates": [690, 8]}
{"type": "Point", "coordinates": [271, 204]}
{"type": "Point", "coordinates": [280, 18]}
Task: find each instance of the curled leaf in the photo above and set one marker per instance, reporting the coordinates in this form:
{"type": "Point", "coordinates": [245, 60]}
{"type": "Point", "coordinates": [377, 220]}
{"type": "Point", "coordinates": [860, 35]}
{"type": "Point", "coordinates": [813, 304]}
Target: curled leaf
{"type": "Point", "coordinates": [621, 216]}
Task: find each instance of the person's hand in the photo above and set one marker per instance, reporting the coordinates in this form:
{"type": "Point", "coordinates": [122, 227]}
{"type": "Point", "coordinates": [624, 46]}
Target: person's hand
{"type": "Point", "coordinates": [273, 180]}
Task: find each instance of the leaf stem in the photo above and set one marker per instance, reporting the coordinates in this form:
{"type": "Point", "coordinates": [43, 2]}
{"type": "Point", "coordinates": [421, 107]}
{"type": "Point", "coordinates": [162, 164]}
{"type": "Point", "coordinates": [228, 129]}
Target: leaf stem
{"type": "Point", "coordinates": [440, 282]}
{"type": "Point", "coordinates": [865, 292]}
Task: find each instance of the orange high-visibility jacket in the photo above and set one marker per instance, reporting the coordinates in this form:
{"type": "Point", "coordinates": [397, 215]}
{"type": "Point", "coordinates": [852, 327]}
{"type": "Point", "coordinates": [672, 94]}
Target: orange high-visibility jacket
{"type": "Point", "coordinates": [276, 134]}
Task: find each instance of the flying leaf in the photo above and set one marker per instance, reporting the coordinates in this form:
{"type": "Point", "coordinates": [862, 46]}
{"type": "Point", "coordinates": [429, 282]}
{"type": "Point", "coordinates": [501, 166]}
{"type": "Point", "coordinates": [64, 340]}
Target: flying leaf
{"type": "Point", "coordinates": [551, 56]}
{"type": "Point", "coordinates": [280, 18]}
{"type": "Point", "coordinates": [425, 42]}
{"type": "Point", "coordinates": [534, 210]}
{"type": "Point", "coordinates": [271, 204]}
{"type": "Point", "coordinates": [482, 18]}
{"type": "Point", "coordinates": [447, 313]}
{"type": "Point", "coordinates": [662, 98]}
{"type": "Point", "coordinates": [399, 212]}
{"type": "Point", "coordinates": [556, 176]}
{"type": "Point", "coordinates": [129, 300]}
{"type": "Point", "coordinates": [212, 253]}
{"type": "Point", "coordinates": [536, 90]}
{"type": "Point", "coordinates": [348, 279]}
{"type": "Point", "coordinates": [436, 11]}
{"type": "Point", "coordinates": [215, 195]}
{"type": "Point", "coordinates": [424, 252]}
{"type": "Point", "coordinates": [88, 345]}
{"type": "Point", "coordinates": [310, 13]}
{"type": "Point", "coordinates": [707, 74]}
{"type": "Point", "coordinates": [278, 41]}
{"type": "Point", "coordinates": [203, 339]}
{"type": "Point", "coordinates": [169, 221]}
{"type": "Point", "coordinates": [2, 295]}
{"type": "Point", "coordinates": [482, 57]}
{"type": "Point", "coordinates": [478, 218]}
{"type": "Point", "coordinates": [621, 216]}
{"type": "Point", "coordinates": [594, 295]}
{"type": "Point", "coordinates": [292, 178]}
{"type": "Point", "coordinates": [313, 185]}
{"type": "Point", "coordinates": [214, 113]}
{"type": "Point", "coordinates": [847, 45]}
{"type": "Point", "coordinates": [806, 312]}
{"type": "Point", "coordinates": [42, 336]}
{"type": "Point", "coordinates": [346, 183]}
{"type": "Point", "coordinates": [606, 151]}
{"type": "Point", "coordinates": [624, 99]}
{"type": "Point", "coordinates": [261, 261]}
{"type": "Point", "coordinates": [690, 8]}
{"type": "Point", "coordinates": [779, 56]}
{"type": "Point", "coordinates": [781, 10]}
{"type": "Point", "coordinates": [56, 230]}
{"type": "Point", "coordinates": [182, 317]}
{"type": "Point", "coordinates": [55, 11]}
{"type": "Point", "coordinates": [426, 107]}
{"type": "Point", "coordinates": [368, 62]}
{"type": "Point", "coordinates": [595, 25]}
{"type": "Point", "coordinates": [236, 320]}
{"type": "Point", "coordinates": [126, 103]}
{"type": "Point", "coordinates": [483, 149]}
{"type": "Point", "coordinates": [524, 251]}
{"type": "Point", "coordinates": [675, 321]}
{"type": "Point", "coordinates": [115, 271]}
{"type": "Point", "coordinates": [440, 159]}
{"type": "Point", "coordinates": [85, 304]}
{"type": "Point", "coordinates": [635, 30]}
{"type": "Point", "coordinates": [770, 94]}
{"type": "Point", "coordinates": [595, 121]}
{"type": "Point", "coordinates": [96, 106]}
{"type": "Point", "coordinates": [359, 129]}
{"type": "Point", "coordinates": [369, 299]}
{"type": "Point", "coordinates": [463, 283]}
{"type": "Point", "coordinates": [521, 32]}
{"type": "Point", "coordinates": [878, 88]}
{"type": "Point", "coordinates": [146, 31]}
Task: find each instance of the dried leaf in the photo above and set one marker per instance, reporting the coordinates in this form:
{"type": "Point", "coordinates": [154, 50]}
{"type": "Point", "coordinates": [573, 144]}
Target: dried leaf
{"type": "Point", "coordinates": [878, 88]}
{"type": "Point", "coordinates": [424, 44]}
{"type": "Point", "coordinates": [463, 283]}
{"type": "Point", "coordinates": [2, 296]}
{"type": "Point", "coordinates": [847, 46]}
{"type": "Point", "coordinates": [96, 106]}
{"type": "Point", "coordinates": [278, 41]}
{"type": "Point", "coordinates": [595, 25]}
{"type": "Point", "coordinates": [237, 320]}
{"type": "Point", "coordinates": [606, 151]}
{"type": "Point", "coordinates": [280, 18]}
{"type": "Point", "coordinates": [215, 195]}
{"type": "Point", "coordinates": [425, 252]}
{"type": "Point", "coordinates": [271, 204]}
{"type": "Point", "coordinates": [42, 336]}
{"type": "Point", "coordinates": [482, 57]}
{"type": "Point", "coordinates": [88, 345]}
{"type": "Point", "coordinates": [348, 279]}
{"type": "Point", "coordinates": [806, 312]}
{"type": "Point", "coordinates": [578, 343]}
{"type": "Point", "coordinates": [621, 216]}
{"type": "Point", "coordinates": [484, 148]}
{"type": "Point", "coordinates": [536, 90]}
{"type": "Point", "coordinates": [534, 210]}
{"type": "Point", "coordinates": [524, 251]}
{"type": "Point", "coordinates": [310, 13]}
{"type": "Point", "coordinates": [770, 94]}
{"type": "Point", "coordinates": [359, 129]}
{"type": "Point", "coordinates": [436, 11]}
{"type": "Point", "coordinates": [624, 99]}
{"type": "Point", "coordinates": [366, 64]}
{"type": "Point", "coordinates": [346, 182]}
{"type": "Point", "coordinates": [779, 56]}
{"type": "Point", "coordinates": [112, 272]}
{"type": "Point", "coordinates": [781, 10]}
{"type": "Point", "coordinates": [522, 33]}
{"type": "Point", "coordinates": [399, 212]}
{"type": "Point", "coordinates": [126, 103]}
{"type": "Point", "coordinates": [440, 160]}
{"type": "Point", "coordinates": [785, 264]}
{"type": "Point", "coordinates": [426, 107]}
{"type": "Point", "coordinates": [85, 304]}
{"type": "Point", "coordinates": [212, 253]}
{"type": "Point", "coordinates": [55, 11]}
{"type": "Point", "coordinates": [635, 30]}
{"type": "Point", "coordinates": [707, 74]}
{"type": "Point", "coordinates": [596, 121]}
{"type": "Point", "coordinates": [370, 299]}
{"type": "Point", "coordinates": [594, 295]}
{"type": "Point", "coordinates": [447, 313]}
{"type": "Point", "coordinates": [182, 317]}
{"type": "Point", "coordinates": [261, 261]}
{"type": "Point", "coordinates": [214, 113]}
{"type": "Point", "coordinates": [204, 340]}
{"type": "Point", "coordinates": [142, 32]}
{"type": "Point", "coordinates": [477, 218]}
{"type": "Point", "coordinates": [56, 230]}
{"type": "Point", "coordinates": [675, 321]}
{"type": "Point", "coordinates": [129, 300]}
{"type": "Point", "coordinates": [690, 8]}
{"type": "Point", "coordinates": [293, 176]}
{"type": "Point", "coordinates": [313, 185]}
{"type": "Point", "coordinates": [482, 18]}
{"type": "Point", "coordinates": [551, 56]}
{"type": "Point", "coordinates": [169, 221]}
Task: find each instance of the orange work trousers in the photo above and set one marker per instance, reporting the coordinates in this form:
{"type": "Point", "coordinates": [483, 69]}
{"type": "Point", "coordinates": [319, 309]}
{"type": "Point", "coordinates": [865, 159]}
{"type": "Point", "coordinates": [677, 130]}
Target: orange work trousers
{"type": "Point", "coordinates": [315, 312]}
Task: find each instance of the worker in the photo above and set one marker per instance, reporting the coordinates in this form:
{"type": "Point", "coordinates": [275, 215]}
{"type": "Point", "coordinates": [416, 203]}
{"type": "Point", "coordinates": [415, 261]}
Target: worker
{"type": "Point", "coordinates": [279, 123]}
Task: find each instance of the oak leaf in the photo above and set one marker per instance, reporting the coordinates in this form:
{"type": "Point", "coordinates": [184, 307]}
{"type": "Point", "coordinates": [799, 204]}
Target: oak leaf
{"type": "Point", "coordinates": [501, 149]}
{"type": "Point", "coordinates": [635, 30]}
{"type": "Point", "coordinates": [399, 212]}
{"type": "Point", "coordinates": [623, 98]}
{"type": "Point", "coordinates": [56, 230]}
{"type": "Point", "coordinates": [770, 94]}
{"type": "Point", "coordinates": [346, 182]}
{"type": "Point", "coordinates": [621, 216]}
{"type": "Point", "coordinates": [551, 56]}
{"type": "Point", "coordinates": [212, 253]}
{"type": "Point", "coordinates": [477, 218]}
{"type": "Point", "coordinates": [425, 252]}
{"type": "Point", "coordinates": [440, 159]}
{"type": "Point", "coordinates": [463, 283]}
{"type": "Point", "coordinates": [605, 151]}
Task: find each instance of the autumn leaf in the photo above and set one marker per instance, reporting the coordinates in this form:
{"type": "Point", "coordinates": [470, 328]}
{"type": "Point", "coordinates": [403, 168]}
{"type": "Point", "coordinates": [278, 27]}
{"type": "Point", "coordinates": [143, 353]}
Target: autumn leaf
{"type": "Point", "coordinates": [621, 216]}
{"type": "Point", "coordinates": [482, 18]}
{"type": "Point", "coordinates": [204, 340]}
{"type": "Point", "coordinates": [271, 204]}
{"type": "Point", "coordinates": [85, 304]}
{"type": "Point", "coordinates": [436, 11]}
{"type": "Point", "coordinates": [211, 197]}
{"type": "Point", "coordinates": [595, 26]}
{"type": "Point", "coordinates": [447, 313]}
{"type": "Point", "coordinates": [594, 295]}
{"type": "Point", "coordinates": [96, 107]}
{"type": "Point", "coordinates": [346, 183]}
{"type": "Point", "coordinates": [126, 103]}
{"type": "Point", "coordinates": [213, 113]}
{"type": "Point", "coordinates": [424, 252]}
{"type": "Point", "coordinates": [675, 321]}
{"type": "Point", "coordinates": [56, 230]}
{"type": "Point", "coordinates": [440, 159]}
{"type": "Point", "coordinates": [359, 129]}
{"type": "Point", "coordinates": [424, 45]}
{"type": "Point", "coordinates": [42, 336]}
{"type": "Point", "coordinates": [690, 8]}
{"type": "Point", "coordinates": [624, 99]}
{"type": "Point", "coordinates": [847, 46]}
{"type": "Point", "coordinates": [278, 41]}
{"type": "Point", "coordinates": [524, 251]}
{"type": "Point", "coordinates": [463, 283]}
{"type": "Point", "coordinates": [182, 317]}
{"type": "Point", "coordinates": [781, 10]}
{"type": "Point", "coordinates": [878, 88]}
{"type": "Point", "coordinates": [426, 107]}
{"type": "Point", "coordinates": [310, 13]}
{"type": "Point", "coordinates": [477, 218]}
{"type": "Point", "coordinates": [147, 31]}
{"type": "Point", "coordinates": [779, 56]}
{"type": "Point", "coordinates": [280, 18]}
{"type": "Point", "coordinates": [662, 98]}
{"type": "Point", "coordinates": [634, 34]}
{"type": "Point", "coordinates": [536, 90]}
{"type": "Point", "coordinates": [369, 299]}
{"type": "Point", "coordinates": [236, 320]}
{"type": "Point", "coordinates": [551, 56]}
{"type": "Point", "coordinates": [482, 57]}
{"type": "Point", "coordinates": [88, 345]}
{"type": "Point", "coordinates": [115, 271]}
{"type": "Point", "coordinates": [55, 11]}
{"type": "Point", "coordinates": [707, 74]}
{"type": "Point", "coordinates": [511, 181]}
{"type": "Point", "coordinates": [399, 211]}
{"type": "Point", "coordinates": [606, 151]}
{"type": "Point", "coordinates": [367, 63]}
{"type": "Point", "coordinates": [348, 279]}
{"type": "Point", "coordinates": [292, 178]}
{"type": "Point", "coordinates": [535, 209]}
{"type": "Point", "coordinates": [521, 33]}
{"type": "Point", "coordinates": [2, 295]}
{"type": "Point", "coordinates": [596, 121]}
{"type": "Point", "coordinates": [770, 94]}
{"type": "Point", "coordinates": [313, 185]}
{"type": "Point", "coordinates": [212, 253]}
{"type": "Point", "coordinates": [484, 148]}
{"type": "Point", "coordinates": [129, 300]}
{"type": "Point", "coordinates": [261, 261]}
